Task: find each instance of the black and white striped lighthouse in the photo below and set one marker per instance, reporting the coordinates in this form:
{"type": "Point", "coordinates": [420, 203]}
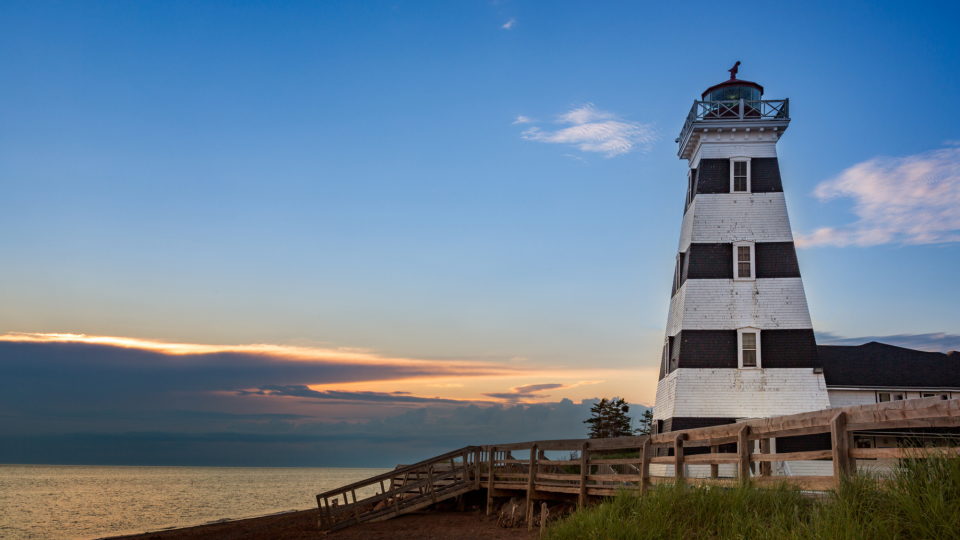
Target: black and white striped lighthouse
{"type": "Point", "coordinates": [739, 340]}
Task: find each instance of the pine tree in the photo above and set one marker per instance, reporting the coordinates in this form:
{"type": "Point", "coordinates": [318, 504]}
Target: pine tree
{"type": "Point", "coordinates": [609, 419]}
{"type": "Point", "coordinates": [646, 423]}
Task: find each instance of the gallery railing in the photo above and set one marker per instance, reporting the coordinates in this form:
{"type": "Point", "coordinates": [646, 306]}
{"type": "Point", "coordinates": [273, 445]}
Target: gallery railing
{"type": "Point", "coordinates": [707, 111]}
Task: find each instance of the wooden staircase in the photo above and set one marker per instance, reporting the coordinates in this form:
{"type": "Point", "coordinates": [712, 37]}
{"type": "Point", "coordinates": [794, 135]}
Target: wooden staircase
{"type": "Point", "coordinates": [406, 489]}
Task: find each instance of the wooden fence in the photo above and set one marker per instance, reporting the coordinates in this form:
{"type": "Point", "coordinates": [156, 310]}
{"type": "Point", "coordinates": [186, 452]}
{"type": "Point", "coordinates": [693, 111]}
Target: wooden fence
{"type": "Point", "coordinates": [605, 466]}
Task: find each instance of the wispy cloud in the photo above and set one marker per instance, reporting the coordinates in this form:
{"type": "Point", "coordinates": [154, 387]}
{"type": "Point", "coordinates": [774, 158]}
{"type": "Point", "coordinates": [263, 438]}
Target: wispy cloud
{"type": "Point", "coordinates": [524, 120]}
{"type": "Point", "coordinates": [341, 396]}
{"type": "Point", "coordinates": [933, 342]}
{"type": "Point", "coordinates": [594, 130]}
{"type": "Point", "coordinates": [509, 24]}
{"type": "Point", "coordinates": [909, 201]}
{"type": "Point", "coordinates": [530, 391]}
{"type": "Point", "coordinates": [315, 355]}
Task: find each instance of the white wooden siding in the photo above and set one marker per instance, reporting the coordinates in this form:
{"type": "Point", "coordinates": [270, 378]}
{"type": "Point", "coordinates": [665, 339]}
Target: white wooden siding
{"type": "Point", "coordinates": [729, 217]}
{"type": "Point", "coordinates": [741, 393]}
{"type": "Point", "coordinates": [725, 304]}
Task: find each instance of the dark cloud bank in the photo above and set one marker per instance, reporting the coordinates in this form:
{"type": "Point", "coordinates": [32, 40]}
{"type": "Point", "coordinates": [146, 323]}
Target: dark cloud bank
{"type": "Point", "coordinates": [93, 404]}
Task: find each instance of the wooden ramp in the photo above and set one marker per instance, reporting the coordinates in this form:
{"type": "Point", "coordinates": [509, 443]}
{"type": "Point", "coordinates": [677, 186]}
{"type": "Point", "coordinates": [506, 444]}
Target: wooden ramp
{"type": "Point", "coordinates": [406, 489]}
{"type": "Point", "coordinates": [603, 467]}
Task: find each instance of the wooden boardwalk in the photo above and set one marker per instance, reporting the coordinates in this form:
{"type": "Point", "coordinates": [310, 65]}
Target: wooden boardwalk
{"type": "Point", "coordinates": [602, 468]}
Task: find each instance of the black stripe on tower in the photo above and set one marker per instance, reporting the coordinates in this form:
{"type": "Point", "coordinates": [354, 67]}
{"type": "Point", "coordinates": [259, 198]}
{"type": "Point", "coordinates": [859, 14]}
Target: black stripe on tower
{"type": "Point", "coordinates": [717, 349]}
{"type": "Point", "coordinates": [713, 176]}
{"type": "Point", "coordinates": [715, 261]}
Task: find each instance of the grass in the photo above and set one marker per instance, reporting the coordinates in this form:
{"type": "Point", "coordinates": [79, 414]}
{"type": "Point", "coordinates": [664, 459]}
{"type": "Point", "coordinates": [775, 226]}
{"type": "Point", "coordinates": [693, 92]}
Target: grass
{"type": "Point", "coordinates": [921, 500]}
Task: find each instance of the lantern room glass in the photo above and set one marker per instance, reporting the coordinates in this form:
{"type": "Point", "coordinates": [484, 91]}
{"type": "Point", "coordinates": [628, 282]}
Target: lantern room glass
{"type": "Point", "coordinates": [735, 93]}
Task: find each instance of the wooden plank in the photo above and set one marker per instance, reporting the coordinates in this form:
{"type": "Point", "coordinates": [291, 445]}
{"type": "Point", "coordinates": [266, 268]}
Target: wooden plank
{"type": "Point", "coordinates": [558, 444]}
{"type": "Point", "coordinates": [838, 442]}
{"type": "Point", "coordinates": [624, 461]}
{"type": "Point", "coordinates": [530, 483]}
{"type": "Point", "coordinates": [714, 467]}
{"type": "Point", "coordinates": [902, 453]}
{"type": "Point", "coordinates": [678, 471]}
{"type": "Point", "coordinates": [516, 486]}
{"type": "Point", "coordinates": [702, 459]}
{"type": "Point", "coordinates": [356, 507]}
{"type": "Point", "coordinates": [766, 468]}
{"type": "Point", "coordinates": [614, 477]}
{"type": "Point", "coordinates": [491, 480]}
{"type": "Point", "coordinates": [645, 466]}
{"type": "Point", "coordinates": [914, 423]}
{"type": "Point", "coordinates": [561, 462]}
{"type": "Point", "coordinates": [743, 450]}
{"type": "Point", "coordinates": [584, 468]}
{"type": "Point", "coordinates": [813, 483]}
{"type": "Point", "coordinates": [664, 460]}
{"type": "Point", "coordinates": [617, 443]}
{"type": "Point", "coordinates": [521, 476]}
{"type": "Point", "coordinates": [551, 476]}
{"type": "Point", "coordinates": [575, 490]}
{"type": "Point", "coordinates": [793, 456]}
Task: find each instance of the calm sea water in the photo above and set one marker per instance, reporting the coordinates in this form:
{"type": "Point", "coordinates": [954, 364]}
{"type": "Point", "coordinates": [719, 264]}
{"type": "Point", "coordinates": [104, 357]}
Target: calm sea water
{"type": "Point", "coordinates": [78, 502]}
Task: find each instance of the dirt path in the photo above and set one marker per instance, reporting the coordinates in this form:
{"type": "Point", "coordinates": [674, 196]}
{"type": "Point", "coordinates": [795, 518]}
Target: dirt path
{"type": "Point", "coordinates": [303, 526]}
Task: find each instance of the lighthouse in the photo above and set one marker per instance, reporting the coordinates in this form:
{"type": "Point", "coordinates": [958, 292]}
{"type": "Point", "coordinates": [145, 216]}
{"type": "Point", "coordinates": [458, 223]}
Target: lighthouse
{"type": "Point", "coordinates": [739, 341]}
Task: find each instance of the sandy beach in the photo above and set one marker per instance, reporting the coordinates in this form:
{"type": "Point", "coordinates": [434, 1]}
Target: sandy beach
{"type": "Point", "coordinates": [303, 526]}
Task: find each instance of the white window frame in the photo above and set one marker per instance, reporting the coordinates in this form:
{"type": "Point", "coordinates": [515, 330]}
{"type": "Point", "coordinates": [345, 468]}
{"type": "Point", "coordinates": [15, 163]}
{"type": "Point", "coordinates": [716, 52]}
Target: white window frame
{"type": "Point", "coordinates": [741, 159]}
{"type": "Point", "coordinates": [753, 261]}
{"type": "Point", "coordinates": [740, 332]}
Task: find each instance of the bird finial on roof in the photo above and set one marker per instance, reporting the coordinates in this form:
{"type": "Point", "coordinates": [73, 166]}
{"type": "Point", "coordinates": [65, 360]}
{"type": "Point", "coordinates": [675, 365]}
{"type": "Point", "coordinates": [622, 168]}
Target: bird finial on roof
{"type": "Point", "coordinates": [734, 69]}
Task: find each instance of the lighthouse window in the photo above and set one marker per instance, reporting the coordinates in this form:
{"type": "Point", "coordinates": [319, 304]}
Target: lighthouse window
{"type": "Point", "coordinates": [744, 261]}
{"type": "Point", "coordinates": [740, 175]}
{"type": "Point", "coordinates": [749, 347]}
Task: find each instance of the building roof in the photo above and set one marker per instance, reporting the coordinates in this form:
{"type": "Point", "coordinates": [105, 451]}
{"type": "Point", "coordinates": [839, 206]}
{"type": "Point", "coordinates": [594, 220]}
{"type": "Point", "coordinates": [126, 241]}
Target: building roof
{"type": "Point", "coordinates": [879, 365]}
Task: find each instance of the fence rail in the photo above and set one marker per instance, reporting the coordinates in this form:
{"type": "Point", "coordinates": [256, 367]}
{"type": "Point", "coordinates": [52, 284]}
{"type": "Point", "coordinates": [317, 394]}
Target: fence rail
{"type": "Point", "coordinates": [605, 466]}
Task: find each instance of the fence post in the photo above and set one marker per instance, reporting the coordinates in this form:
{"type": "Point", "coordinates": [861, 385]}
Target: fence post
{"type": "Point", "coordinates": [543, 518]}
{"type": "Point", "coordinates": [356, 507]}
{"type": "Point", "coordinates": [493, 450]}
{"type": "Point", "coordinates": [466, 477]}
{"type": "Point", "coordinates": [714, 467]}
{"type": "Point", "coordinates": [531, 478]}
{"type": "Point", "coordinates": [743, 451]}
{"type": "Point", "coordinates": [584, 468]}
{"type": "Point", "coordinates": [765, 466]}
{"type": "Point", "coordinates": [678, 456]}
{"type": "Point", "coordinates": [840, 447]}
{"type": "Point", "coordinates": [645, 466]}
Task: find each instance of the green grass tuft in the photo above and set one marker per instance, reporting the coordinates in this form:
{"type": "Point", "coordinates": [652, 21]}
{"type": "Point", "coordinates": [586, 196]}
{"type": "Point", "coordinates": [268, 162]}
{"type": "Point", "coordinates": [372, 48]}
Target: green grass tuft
{"type": "Point", "coordinates": [920, 500]}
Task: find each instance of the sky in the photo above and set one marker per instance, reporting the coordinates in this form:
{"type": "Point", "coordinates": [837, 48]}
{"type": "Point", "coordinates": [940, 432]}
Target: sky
{"type": "Point", "coordinates": [357, 234]}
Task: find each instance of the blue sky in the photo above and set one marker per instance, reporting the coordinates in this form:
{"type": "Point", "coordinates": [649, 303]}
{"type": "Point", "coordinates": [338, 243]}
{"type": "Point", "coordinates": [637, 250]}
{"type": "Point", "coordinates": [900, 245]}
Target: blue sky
{"type": "Point", "coordinates": [393, 181]}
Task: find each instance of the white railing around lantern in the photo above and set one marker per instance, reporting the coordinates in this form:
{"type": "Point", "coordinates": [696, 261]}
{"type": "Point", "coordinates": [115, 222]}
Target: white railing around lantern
{"type": "Point", "coordinates": [709, 111]}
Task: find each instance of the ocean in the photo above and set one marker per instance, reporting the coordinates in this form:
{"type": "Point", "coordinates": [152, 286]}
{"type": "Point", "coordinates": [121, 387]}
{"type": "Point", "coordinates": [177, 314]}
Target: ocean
{"type": "Point", "coordinates": [54, 502]}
